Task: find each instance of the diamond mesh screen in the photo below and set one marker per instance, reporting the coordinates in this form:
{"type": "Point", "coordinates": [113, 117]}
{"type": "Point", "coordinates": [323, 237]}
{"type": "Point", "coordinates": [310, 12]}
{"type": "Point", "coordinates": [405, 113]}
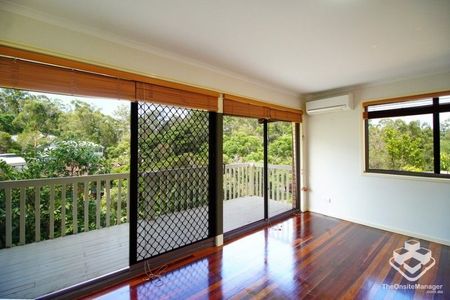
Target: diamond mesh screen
{"type": "Point", "coordinates": [173, 157]}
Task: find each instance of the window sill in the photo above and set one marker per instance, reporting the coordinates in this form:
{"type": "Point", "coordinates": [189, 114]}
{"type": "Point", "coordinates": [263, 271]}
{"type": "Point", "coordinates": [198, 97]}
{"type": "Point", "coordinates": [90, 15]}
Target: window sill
{"type": "Point", "coordinates": [437, 179]}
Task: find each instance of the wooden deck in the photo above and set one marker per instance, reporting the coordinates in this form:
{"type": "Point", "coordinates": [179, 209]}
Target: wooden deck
{"type": "Point", "coordinates": [242, 211]}
{"type": "Point", "coordinates": [39, 268]}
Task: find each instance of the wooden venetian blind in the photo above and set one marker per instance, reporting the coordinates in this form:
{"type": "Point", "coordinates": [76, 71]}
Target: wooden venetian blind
{"type": "Point", "coordinates": [97, 69]}
{"type": "Point", "coordinates": [284, 115]}
{"type": "Point", "coordinates": [165, 95]}
{"type": "Point", "coordinates": [238, 106]}
{"type": "Point", "coordinates": [21, 74]}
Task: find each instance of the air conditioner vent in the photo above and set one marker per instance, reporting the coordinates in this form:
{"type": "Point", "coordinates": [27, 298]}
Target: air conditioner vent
{"type": "Point", "coordinates": [333, 104]}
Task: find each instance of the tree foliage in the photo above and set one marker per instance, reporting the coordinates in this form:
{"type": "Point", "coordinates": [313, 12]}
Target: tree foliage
{"type": "Point", "coordinates": [395, 144]}
{"type": "Point", "coordinates": [167, 138]}
{"type": "Point", "coordinates": [243, 141]}
{"type": "Point", "coordinates": [57, 140]}
{"type": "Point", "coordinates": [87, 123]}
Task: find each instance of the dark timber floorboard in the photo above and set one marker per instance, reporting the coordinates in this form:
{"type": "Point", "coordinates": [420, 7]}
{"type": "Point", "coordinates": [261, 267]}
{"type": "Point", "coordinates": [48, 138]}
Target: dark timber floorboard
{"type": "Point", "coordinates": [307, 256]}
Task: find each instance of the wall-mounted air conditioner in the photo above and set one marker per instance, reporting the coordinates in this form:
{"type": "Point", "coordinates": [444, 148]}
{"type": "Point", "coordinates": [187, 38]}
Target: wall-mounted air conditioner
{"type": "Point", "coordinates": [338, 103]}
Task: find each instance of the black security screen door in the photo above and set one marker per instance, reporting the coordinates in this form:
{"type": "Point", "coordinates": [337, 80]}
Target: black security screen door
{"type": "Point", "coordinates": [171, 166]}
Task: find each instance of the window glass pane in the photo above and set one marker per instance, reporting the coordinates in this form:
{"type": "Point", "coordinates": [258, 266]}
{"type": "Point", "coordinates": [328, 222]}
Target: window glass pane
{"type": "Point", "coordinates": [243, 180]}
{"type": "Point", "coordinates": [444, 99]}
{"type": "Point", "coordinates": [398, 105]}
{"type": "Point", "coordinates": [64, 150]}
{"type": "Point", "coordinates": [280, 167]}
{"type": "Point", "coordinates": [445, 142]}
{"type": "Point", "coordinates": [401, 143]}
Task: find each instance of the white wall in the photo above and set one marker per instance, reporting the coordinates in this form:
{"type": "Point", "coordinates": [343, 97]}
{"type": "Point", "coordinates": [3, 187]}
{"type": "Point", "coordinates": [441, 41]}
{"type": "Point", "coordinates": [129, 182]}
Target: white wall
{"type": "Point", "coordinates": [419, 207]}
{"type": "Point", "coordinates": [30, 32]}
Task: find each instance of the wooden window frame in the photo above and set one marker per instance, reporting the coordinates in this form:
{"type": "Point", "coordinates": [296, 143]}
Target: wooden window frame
{"type": "Point", "coordinates": [434, 109]}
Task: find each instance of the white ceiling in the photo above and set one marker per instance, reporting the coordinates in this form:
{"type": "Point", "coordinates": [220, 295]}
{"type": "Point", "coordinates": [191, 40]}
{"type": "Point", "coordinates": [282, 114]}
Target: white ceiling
{"type": "Point", "coordinates": [301, 46]}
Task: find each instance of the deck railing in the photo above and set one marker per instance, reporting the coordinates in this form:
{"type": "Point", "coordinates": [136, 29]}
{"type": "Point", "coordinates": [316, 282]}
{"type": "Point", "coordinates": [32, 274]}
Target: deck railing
{"type": "Point", "coordinates": [61, 206]}
{"type": "Point", "coordinates": [247, 179]}
{"type": "Point", "coordinates": [40, 209]}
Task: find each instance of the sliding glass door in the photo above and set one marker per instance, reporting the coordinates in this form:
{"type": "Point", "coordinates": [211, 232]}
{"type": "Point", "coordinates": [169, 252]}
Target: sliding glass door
{"type": "Point", "coordinates": [243, 181]}
{"type": "Point", "coordinates": [280, 167]}
{"type": "Point", "coordinates": [250, 164]}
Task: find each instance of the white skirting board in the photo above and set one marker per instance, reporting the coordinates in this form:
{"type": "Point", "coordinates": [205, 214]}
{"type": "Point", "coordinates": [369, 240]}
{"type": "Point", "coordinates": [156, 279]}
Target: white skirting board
{"type": "Point", "coordinates": [390, 229]}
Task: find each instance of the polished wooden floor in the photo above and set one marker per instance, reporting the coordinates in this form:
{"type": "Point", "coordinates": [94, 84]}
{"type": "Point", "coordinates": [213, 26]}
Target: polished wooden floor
{"type": "Point", "coordinates": [308, 256]}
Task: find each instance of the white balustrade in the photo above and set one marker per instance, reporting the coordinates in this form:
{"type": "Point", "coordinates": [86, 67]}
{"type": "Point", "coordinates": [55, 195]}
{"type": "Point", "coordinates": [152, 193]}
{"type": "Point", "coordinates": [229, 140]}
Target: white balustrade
{"type": "Point", "coordinates": [247, 179]}
{"type": "Point", "coordinates": [30, 195]}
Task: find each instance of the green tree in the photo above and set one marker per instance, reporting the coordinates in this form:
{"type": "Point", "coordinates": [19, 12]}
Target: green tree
{"type": "Point", "coordinates": [119, 157]}
{"type": "Point", "coordinates": [11, 101]}
{"type": "Point", "coordinates": [445, 143]}
{"type": "Point", "coordinates": [243, 141]}
{"type": "Point", "coordinates": [6, 143]}
{"type": "Point", "coordinates": [119, 154]}
{"type": "Point", "coordinates": [72, 158]}
{"type": "Point", "coordinates": [398, 145]}
{"type": "Point", "coordinates": [445, 162]}
{"type": "Point", "coordinates": [6, 123]}
{"type": "Point", "coordinates": [280, 150]}
{"type": "Point", "coordinates": [87, 123]}
{"type": "Point", "coordinates": [38, 118]}
{"type": "Point", "coordinates": [38, 113]}
{"type": "Point", "coordinates": [242, 147]}
{"type": "Point", "coordinates": [7, 172]}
